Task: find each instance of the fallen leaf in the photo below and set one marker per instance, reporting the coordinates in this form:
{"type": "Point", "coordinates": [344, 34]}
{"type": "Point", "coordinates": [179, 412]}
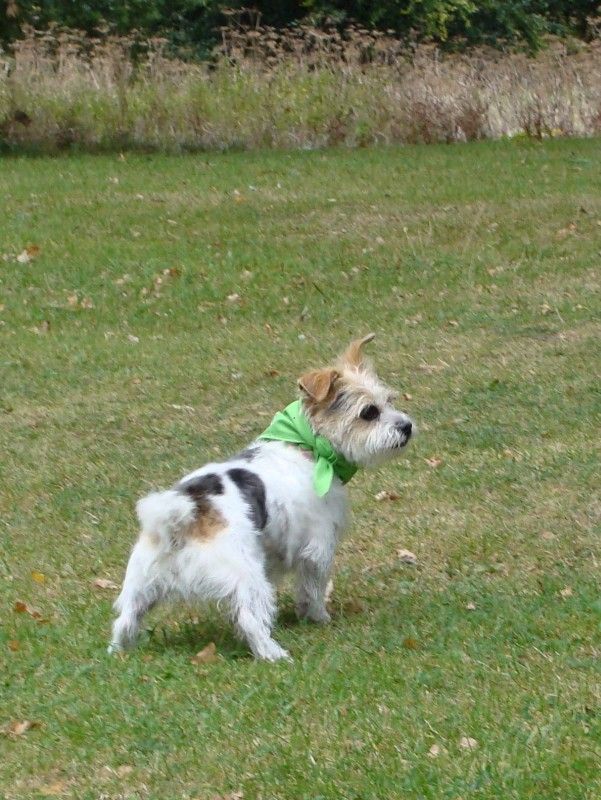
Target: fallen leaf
{"type": "Point", "coordinates": [410, 644]}
{"type": "Point", "coordinates": [19, 727]}
{"type": "Point", "coordinates": [132, 338]}
{"type": "Point", "coordinates": [43, 328]}
{"type": "Point", "coordinates": [435, 751]}
{"type": "Point", "coordinates": [23, 608]}
{"type": "Point", "coordinates": [547, 536]}
{"type": "Point", "coordinates": [407, 557]}
{"type": "Point", "coordinates": [52, 789]}
{"type": "Point", "coordinates": [433, 462]}
{"type": "Point", "coordinates": [386, 495]}
{"type": "Point", "coordinates": [29, 253]}
{"type": "Point", "coordinates": [233, 298]}
{"type": "Point", "coordinates": [272, 373]}
{"type": "Point", "coordinates": [567, 592]}
{"type": "Point", "coordinates": [105, 583]}
{"type": "Point", "coordinates": [467, 743]}
{"type": "Point", "coordinates": [208, 655]}
{"type": "Point", "coordinates": [13, 645]}
{"type": "Point", "coordinates": [407, 396]}
{"type": "Point", "coordinates": [38, 577]}
{"type": "Point", "coordinates": [470, 606]}
{"type": "Point", "coordinates": [353, 607]}
{"type": "Point", "coordinates": [123, 770]}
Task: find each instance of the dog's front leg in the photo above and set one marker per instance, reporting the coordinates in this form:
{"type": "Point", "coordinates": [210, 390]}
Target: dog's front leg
{"type": "Point", "coordinates": [313, 575]}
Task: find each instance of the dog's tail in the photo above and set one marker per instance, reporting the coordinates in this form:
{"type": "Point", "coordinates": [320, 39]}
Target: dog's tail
{"type": "Point", "coordinates": [163, 515]}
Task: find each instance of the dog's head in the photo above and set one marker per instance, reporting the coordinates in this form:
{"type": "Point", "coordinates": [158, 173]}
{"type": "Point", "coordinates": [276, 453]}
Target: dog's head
{"type": "Point", "coordinates": [350, 406]}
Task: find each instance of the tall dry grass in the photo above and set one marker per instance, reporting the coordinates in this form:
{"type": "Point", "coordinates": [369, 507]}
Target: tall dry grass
{"type": "Point", "coordinates": [298, 89]}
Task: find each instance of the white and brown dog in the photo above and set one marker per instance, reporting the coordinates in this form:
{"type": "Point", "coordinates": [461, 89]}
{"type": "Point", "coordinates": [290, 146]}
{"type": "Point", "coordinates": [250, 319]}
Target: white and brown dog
{"type": "Point", "coordinates": [229, 531]}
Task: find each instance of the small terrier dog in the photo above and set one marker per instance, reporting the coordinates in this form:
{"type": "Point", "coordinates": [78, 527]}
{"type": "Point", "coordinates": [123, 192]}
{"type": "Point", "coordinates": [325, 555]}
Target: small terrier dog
{"type": "Point", "coordinates": [230, 531]}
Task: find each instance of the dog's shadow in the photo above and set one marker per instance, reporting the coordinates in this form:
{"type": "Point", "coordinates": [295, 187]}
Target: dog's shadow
{"type": "Point", "coordinates": [203, 625]}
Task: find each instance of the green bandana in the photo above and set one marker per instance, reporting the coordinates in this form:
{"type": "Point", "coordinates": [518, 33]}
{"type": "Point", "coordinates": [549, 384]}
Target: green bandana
{"type": "Point", "coordinates": [291, 425]}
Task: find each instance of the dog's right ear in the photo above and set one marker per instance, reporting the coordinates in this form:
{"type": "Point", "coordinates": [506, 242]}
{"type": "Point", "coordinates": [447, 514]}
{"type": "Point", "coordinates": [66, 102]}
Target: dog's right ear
{"type": "Point", "coordinates": [318, 383]}
{"type": "Point", "coordinates": [353, 355]}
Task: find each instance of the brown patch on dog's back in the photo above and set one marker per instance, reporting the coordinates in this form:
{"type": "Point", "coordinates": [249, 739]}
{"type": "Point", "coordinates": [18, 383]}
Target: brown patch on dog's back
{"type": "Point", "coordinates": [209, 523]}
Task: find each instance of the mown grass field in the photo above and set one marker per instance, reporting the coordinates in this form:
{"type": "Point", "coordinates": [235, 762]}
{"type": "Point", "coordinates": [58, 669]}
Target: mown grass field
{"type": "Point", "coordinates": [171, 305]}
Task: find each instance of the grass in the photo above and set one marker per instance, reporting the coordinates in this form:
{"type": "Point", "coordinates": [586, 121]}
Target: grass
{"type": "Point", "coordinates": [171, 305]}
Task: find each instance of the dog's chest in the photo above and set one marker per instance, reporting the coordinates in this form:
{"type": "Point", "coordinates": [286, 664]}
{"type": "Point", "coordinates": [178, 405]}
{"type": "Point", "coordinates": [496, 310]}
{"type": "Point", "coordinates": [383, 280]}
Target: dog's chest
{"type": "Point", "coordinates": [299, 522]}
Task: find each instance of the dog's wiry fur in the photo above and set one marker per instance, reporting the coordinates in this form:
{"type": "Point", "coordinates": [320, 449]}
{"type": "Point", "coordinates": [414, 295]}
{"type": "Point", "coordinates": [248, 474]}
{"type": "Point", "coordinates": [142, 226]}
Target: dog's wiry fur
{"type": "Point", "coordinates": [230, 531]}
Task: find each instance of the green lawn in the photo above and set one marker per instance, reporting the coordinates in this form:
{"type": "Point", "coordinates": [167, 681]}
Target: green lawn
{"type": "Point", "coordinates": [169, 310]}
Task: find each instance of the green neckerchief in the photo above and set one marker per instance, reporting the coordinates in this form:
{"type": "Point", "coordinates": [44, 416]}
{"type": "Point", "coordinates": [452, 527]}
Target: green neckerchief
{"type": "Point", "coordinates": [291, 425]}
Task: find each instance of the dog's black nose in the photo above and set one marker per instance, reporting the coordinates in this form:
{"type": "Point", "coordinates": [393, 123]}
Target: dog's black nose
{"type": "Point", "coordinates": [405, 428]}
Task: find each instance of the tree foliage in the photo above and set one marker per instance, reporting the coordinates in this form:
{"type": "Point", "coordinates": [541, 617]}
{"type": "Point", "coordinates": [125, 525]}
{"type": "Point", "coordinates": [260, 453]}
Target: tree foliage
{"type": "Point", "coordinates": [194, 23]}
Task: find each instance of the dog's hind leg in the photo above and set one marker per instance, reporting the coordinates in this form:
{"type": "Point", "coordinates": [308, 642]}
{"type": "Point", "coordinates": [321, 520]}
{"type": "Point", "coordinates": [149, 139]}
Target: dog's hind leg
{"type": "Point", "coordinates": [141, 591]}
{"type": "Point", "coordinates": [253, 612]}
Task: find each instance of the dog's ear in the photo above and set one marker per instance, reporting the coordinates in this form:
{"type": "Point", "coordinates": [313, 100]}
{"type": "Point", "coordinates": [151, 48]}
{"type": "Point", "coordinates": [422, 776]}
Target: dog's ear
{"type": "Point", "coordinates": [353, 355]}
{"type": "Point", "coordinates": [317, 384]}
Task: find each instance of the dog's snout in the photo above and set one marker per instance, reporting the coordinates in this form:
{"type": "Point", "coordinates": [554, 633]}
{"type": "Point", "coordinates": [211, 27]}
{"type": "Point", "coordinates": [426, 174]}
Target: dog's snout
{"type": "Point", "coordinates": [405, 427]}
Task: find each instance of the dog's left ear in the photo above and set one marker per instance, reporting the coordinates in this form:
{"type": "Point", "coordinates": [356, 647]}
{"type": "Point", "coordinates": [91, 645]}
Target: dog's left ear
{"type": "Point", "coordinates": [318, 383]}
{"type": "Point", "coordinates": [353, 355]}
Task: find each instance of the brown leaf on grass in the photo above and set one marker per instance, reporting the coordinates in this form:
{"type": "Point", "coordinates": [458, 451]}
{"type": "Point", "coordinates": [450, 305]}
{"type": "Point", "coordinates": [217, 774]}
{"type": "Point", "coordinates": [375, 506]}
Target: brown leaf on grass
{"type": "Point", "coordinates": [433, 462]}
{"type": "Point", "coordinates": [567, 592]}
{"type": "Point", "coordinates": [272, 373]}
{"type": "Point", "coordinates": [353, 607]}
{"type": "Point", "coordinates": [563, 232]}
{"type": "Point", "coordinates": [43, 328]}
{"type": "Point", "coordinates": [410, 643]}
{"type": "Point", "coordinates": [467, 743]}
{"type": "Point", "coordinates": [52, 789]}
{"type": "Point", "coordinates": [18, 727]}
{"type": "Point", "coordinates": [22, 608]}
{"type": "Point", "coordinates": [105, 583]}
{"type": "Point", "coordinates": [28, 254]}
{"type": "Point", "coordinates": [407, 396]}
{"type": "Point", "coordinates": [123, 770]}
{"type": "Point", "coordinates": [406, 556]}
{"type": "Point", "coordinates": [208, 655]}
{"type": "Point", "coordinates": [13, 645]}
{"type": "Point", "coordinates": [38, 577]}
{"type": "Point", "coordinates": [386, 495]}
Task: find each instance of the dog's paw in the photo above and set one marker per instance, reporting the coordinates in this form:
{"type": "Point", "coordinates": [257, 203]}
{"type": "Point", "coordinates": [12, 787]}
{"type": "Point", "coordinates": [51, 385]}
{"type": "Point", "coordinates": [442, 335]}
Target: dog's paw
{"type": "Point", "coordinates": [318, 615]}
{"type": "Point", "coordinates": [271, 651]}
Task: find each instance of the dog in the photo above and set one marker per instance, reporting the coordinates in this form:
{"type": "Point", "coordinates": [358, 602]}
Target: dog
{"type": "Point", "coordinates": [230, 531]}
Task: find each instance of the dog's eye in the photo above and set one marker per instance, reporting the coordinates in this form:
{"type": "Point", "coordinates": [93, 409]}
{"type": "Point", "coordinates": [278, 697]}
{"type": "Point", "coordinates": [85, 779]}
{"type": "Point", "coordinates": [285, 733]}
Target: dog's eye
{"type": "Point", "coordinates": [369, 413]}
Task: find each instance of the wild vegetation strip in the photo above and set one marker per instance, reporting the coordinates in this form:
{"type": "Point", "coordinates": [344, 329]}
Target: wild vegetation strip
{"type": "Point", "coordinates": [303, 89]}
{"type": "Point", "coordinates": [154, 313]}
